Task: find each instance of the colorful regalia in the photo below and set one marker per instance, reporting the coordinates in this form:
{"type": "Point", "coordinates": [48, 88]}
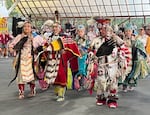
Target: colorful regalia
{"type": "Point", "coordinates": [129, 41]}
{"type": "Point", "coordinates": [92, 71]}
{"type": "Point", "coordinates": [61, 49]}
{"type": "Point", "coordinates": [148, 46]}
{"type": "Point", "coordinates": [108, 67]}
{"type": "Point", "coordinates": [25, 71]}
{"type": "Point", "coordinates": [140, 68]}
{"type": "Point", "coordinates": [83, 44]}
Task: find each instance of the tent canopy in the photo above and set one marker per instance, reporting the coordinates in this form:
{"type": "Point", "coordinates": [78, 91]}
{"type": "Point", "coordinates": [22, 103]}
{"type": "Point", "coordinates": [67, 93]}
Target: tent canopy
{"type": "Point", "coordinates": [41, 9]}
{"type": "Point", "coordinates": [4, 12]}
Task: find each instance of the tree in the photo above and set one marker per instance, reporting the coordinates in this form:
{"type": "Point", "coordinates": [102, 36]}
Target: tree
{"type": "Point", "coordinates": [15, 12]}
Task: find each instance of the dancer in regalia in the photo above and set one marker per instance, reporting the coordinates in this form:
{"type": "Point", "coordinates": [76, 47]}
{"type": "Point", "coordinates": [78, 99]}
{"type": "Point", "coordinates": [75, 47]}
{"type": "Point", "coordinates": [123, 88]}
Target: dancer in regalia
{"type": "Point", "coordinates": [25, 45]}
{"type": "Point", "coordinates": [108, 72]}
{"type": "Point", "coordinates": [60, 49]}
{"type": "Point", "coordinates": [129, 41]}
{"type": "Point", "coordinates": [140, 68]}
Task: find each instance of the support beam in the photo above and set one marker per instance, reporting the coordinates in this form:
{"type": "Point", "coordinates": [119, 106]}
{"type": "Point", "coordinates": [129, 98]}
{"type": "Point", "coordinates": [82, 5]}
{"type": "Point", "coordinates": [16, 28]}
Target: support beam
{"type": "Point", "coordinates": [144, 20]}
{"type": "Point", "coordinates": [124, 21]}
{"type": "Point", "coordinates": [13, 6]}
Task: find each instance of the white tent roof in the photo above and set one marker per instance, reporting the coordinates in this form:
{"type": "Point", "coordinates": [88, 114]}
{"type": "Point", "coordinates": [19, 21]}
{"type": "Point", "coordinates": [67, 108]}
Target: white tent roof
{"type": "Point", "coordinates": [3, 12]}
{"type": "Point", "coordinates": [84, 8]}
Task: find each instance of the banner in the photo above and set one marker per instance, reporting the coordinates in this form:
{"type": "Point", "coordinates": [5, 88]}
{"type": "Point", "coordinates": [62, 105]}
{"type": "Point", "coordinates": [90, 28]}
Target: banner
{"type": "Point", "coordinates": [3, 24]}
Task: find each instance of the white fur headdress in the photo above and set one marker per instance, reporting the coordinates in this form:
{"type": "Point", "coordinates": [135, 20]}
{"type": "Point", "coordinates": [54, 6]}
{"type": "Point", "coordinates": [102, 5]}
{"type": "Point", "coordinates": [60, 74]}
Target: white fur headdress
{"type": "Point", "coordinates": [48, 23]}
{"type": "Point", "coordinates": [20, 24]}
{"type": "Point", "coordinates": [91, 22]}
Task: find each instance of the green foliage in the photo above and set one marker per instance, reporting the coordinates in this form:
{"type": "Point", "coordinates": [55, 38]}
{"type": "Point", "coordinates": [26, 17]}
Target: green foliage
{"type": "Point", "coordinates": [8, 4]}
{"type": "Point", "coordinates": [139, 21]}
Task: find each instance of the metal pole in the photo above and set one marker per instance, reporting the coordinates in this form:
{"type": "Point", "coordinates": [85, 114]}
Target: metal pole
{"type": "Point", "coordinates": [144, 20]}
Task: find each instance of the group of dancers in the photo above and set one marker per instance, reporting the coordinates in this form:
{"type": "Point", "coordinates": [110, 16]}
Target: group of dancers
{"type": "Point", "coordinates": [98, 60]}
